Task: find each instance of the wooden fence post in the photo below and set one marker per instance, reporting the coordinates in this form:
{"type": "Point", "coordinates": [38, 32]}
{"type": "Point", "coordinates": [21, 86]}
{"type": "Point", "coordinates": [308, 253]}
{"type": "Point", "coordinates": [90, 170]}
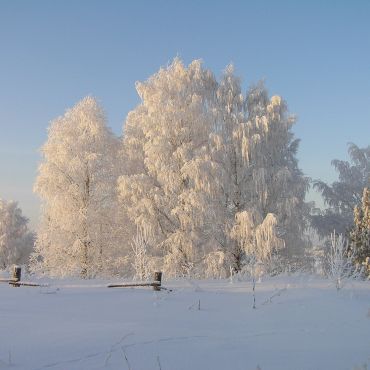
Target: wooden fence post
{"type": "Point", "coordinates": [158, 280]}
{"type": "Point", "coordinates": [17, 274]}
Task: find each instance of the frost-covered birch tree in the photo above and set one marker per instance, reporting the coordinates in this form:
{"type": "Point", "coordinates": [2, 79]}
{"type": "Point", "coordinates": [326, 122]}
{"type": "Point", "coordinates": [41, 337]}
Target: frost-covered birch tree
{"type": "Point", "coordinates": [166, 185]}
{"type": "Point", "coordinates": [278, 186]}
{"type": "Point", "coordinates": [76, 182]}
{"type": "Point", "coordinates": [340, 262]}
{"type": "Point", "coordinates": [202, 161]}
{"type": "Point", "coordinates": [16, 240]}
{"type": "Point", "coordinates": [261, 189]}
{"type": "Point", "coordinates": [227, 156]}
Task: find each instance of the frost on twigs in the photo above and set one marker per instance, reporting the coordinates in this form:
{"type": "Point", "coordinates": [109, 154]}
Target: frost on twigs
{"type": "Point", "coordinates": [340, 263]}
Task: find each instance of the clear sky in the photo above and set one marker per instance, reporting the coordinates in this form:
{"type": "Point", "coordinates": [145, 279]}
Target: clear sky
{"type": "Point", "coordinates": [316, 54]}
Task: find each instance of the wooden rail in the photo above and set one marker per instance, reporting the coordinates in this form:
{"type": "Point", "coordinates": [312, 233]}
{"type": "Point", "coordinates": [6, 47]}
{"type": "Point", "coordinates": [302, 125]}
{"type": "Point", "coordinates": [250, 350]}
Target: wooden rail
{"type": "Point", "coordinates": [6, 280]}
{"type": "Point", "coordinates": [27, 283]}
{"type": "Point", "coordinates": [132, 285]}
{"type": "Point", "coordinates": [156, 284]}
{"type": "Point", "coordinates": [15, 281]}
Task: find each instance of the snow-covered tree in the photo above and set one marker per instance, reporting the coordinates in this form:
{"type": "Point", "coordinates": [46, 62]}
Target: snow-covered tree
{"type": "Point", "coordinates": [166, 185]}
{"type": "Point", "coordinates": [340, 263]}
{"type": "Point", "coordinates": [16, 241]}
{"type": "Point", "coordinates": [259, 180]}
{"type": "Point", "coordinates": [360, 233]}
{"type": "Point", "coordinates": [76, 182]}
{"type": "Point", "coordinates": [199, 157]}
{"type": "Point", "coordinates": [227, 154]}
{"type": "Point", "coordinates": [342, 196]}
{"type": "Point", "coordinates": [141, 245]}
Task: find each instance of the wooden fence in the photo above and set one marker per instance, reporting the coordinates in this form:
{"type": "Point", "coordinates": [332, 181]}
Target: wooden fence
{"type": "Point", "coordinates": [15, 281]}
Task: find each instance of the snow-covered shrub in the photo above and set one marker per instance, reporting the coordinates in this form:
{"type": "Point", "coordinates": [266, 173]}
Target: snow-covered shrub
{"type": "Point", "coordinates": [215, 265]}
{"type": "Point", "coordinates": [175, 265]}
{"type": "Point", "coordinates": [340, 262]}
{"type": "Point", "coordinates": [275, 265]}
{"type": "Point", "coordinates": [318, 260]}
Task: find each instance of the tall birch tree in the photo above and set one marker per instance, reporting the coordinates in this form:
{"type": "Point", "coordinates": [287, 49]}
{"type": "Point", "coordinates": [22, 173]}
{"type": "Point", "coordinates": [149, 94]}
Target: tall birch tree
{"type": "Point", "coordinates": [213, 173]}
{"type": "Point", "coordinates": [76, 182]}
{"type": "Point", "coordinates": [166, 186]}
{"type": "Point", "coordinates": [261, 189]}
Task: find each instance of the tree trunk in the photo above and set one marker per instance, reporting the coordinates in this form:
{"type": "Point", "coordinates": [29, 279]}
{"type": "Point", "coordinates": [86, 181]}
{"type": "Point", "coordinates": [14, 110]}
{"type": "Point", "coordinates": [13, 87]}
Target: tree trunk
{"type": "Point", "coordinates": [84, 264]}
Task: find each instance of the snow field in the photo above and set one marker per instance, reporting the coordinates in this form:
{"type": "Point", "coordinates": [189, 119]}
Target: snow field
{"type": "Point", "coordinates": [306, 324]}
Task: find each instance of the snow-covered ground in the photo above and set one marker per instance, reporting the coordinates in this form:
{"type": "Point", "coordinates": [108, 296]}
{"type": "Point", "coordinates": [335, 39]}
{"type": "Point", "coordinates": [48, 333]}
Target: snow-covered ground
{"type": "Point", "coordinates": [77, 325]}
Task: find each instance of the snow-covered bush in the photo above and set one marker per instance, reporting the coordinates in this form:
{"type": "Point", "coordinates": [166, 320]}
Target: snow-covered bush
{"type": "Point", "coordinates": [214, 263]}
{"type": "Point", "coordinates": [340, 262]}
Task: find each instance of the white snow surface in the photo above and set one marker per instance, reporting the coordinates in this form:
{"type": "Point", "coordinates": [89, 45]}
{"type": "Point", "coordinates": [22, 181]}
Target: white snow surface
{"type": "Point", "coordinates": [74, 325]}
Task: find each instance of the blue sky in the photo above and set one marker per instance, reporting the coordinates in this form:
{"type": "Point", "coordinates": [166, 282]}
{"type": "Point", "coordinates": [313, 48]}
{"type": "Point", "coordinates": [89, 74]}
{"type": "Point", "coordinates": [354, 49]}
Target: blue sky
{"type": "Point", "coordinates": [316, 54]}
